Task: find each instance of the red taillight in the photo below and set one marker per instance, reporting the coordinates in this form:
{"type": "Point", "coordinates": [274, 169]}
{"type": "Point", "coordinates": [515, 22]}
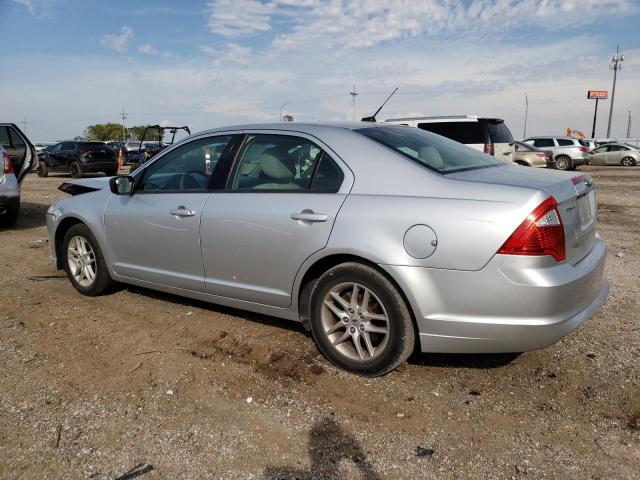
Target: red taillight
{"type": "Point", "coordinates": [541, 233]}
{"type": "Point", "coordinates": [488, 148]}
{"type": "Point", "coordinates": [584, 149]}
{"type": "Point", "coordinates": [8, 164]}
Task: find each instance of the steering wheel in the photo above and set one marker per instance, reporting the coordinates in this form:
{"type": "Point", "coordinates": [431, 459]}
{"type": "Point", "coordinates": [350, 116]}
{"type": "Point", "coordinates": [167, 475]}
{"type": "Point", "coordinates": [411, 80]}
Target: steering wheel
{"type": "Point", "coordinates": [188, 175]}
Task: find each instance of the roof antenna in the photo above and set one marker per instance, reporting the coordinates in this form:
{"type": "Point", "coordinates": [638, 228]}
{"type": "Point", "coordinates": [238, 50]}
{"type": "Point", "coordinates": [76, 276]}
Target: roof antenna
{"type": "Point", "coordinates": [372, 118]}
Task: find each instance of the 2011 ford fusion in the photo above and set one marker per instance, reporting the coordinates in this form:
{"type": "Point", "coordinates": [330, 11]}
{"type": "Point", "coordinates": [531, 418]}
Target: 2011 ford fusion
{"type": "Point", "coordinates": [380, 238]}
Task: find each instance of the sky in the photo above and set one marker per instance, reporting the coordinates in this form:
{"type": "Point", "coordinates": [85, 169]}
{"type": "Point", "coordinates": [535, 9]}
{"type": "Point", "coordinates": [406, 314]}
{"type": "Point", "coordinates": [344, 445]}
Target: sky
{"type": "Point", "coordinates": [66, 65]}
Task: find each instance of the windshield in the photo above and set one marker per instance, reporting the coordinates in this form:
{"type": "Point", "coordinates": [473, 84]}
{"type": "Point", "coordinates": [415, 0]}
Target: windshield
{"type": "Point", "coordinates": [429, 150]}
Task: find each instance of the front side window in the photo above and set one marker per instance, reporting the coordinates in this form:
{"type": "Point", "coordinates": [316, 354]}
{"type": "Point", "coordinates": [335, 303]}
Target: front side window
{"type": "Point", "coordinates": [15, 138]}
{"type": "Point", "coordinates": [429, 150]}
{"type": "Point", "coordinates": [283, 162]}
{"type": "Point", "coordinates": [543, 142]}
{"type": "Point", "coordinates": [68, 146]}
{"type": "Point", "coordinates": [187, 168]}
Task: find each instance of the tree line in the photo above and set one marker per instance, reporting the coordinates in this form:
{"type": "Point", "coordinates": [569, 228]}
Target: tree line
{"type": "Point", "coordinates": [105, 132]}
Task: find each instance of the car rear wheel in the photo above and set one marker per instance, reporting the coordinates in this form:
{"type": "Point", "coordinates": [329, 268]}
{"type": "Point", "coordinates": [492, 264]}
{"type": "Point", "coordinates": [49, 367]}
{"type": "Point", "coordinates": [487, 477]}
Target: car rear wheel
{"type": "Point", "coordinates": [75, 170]}
{"type": "Point", "coordinates": [359, 320]}
{"type": "Point", "coordinates": [84, 263]}
{"type": "Point", "coordinates": [563, 162]}
{"type": "Point", "coordinates": [42, 170]}
{"type": "Point", "coordinates": [628, 162]}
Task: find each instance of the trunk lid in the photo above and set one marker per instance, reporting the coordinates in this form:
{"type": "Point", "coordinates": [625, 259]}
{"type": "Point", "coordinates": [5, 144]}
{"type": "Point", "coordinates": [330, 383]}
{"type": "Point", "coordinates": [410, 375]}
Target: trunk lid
{"type": "Point", "coordinates": [575, 195]}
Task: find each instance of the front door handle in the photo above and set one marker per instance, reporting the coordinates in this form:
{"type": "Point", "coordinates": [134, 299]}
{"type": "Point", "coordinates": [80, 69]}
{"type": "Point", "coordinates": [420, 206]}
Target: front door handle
{"type": "Point", "coordinates": [182, 212]}
{"type": "Point", "coordinates": [309, 216]}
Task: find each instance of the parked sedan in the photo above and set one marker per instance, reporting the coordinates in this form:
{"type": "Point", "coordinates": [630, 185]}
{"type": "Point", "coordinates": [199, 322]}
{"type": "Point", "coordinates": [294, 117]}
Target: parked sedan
{"type": "Point", "coordinates": [380, 238]}
{"type": "Point", "coordinates": [78, 158]}
{"type": "Point", "coordinates": [530, 156]}
{"type": "Point", "coordinates": [615, 154]}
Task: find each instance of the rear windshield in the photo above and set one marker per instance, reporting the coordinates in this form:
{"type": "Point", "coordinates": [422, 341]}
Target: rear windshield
{"type": "Point", "coordinates": [432, 151]}
{"type": "Point", "coordinates": [463, 132]}
{"type": "Point", "coordinates": [498, 132]}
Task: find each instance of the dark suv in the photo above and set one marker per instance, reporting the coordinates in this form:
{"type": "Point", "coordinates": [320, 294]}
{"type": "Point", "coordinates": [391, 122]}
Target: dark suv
{"type": "Point", "coordinates": [78, 158]}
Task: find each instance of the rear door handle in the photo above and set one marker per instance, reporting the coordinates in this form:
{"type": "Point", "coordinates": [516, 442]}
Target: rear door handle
{"type": "Point", "coordinates": [309, 216]}
{"type": "Point", "coordinates": [182, 212]}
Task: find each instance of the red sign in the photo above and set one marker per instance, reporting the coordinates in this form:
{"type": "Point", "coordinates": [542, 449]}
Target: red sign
{"type": "Point", "coordinates": [599, 94]}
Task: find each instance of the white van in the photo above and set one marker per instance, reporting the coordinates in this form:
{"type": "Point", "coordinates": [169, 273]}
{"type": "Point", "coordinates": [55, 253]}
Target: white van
{"type": "Point", "coordinates": [489, 135]}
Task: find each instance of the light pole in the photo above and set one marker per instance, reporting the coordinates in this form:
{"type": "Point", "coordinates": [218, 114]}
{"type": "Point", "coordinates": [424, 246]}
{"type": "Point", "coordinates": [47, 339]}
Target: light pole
{"type": "Point", "coordinates": [526, 112]}
{"type": "Point", "coordinates": [353, 94]}
{"type": "Point", "coordinates": [629, 125]}
{"type": "Point", "coordinates": [616, 64]}
{"type": "Point", "coordinates": [123, 115]}
{"type": "Point", "coordinates": [281, 107]}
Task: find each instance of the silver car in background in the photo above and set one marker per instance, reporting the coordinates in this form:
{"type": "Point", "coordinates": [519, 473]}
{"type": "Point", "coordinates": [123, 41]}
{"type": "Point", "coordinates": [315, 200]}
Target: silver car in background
{"type": "Point", "coordinates": [17, 155]}
{"type": "Point", "coordinates": [380, 238]}
{"type": "Point", "coordinates": [615, 154]}
{"type": "Point", "coordinates": [568, 152]}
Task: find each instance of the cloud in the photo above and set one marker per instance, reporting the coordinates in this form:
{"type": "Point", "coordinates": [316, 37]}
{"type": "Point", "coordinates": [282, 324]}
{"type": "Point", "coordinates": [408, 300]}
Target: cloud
{"type": "Point", "coordinates": [119, 42]}
{"type": "Point", "coordinates": [28, 4]}
{"type": "Point", "coordinates": [231, 18]}
{"type": "Point", "coordinates": [147, 49]}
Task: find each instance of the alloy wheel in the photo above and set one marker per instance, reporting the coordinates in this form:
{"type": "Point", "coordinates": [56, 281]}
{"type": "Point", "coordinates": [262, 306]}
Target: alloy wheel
{"type": "Point", "coordinates": [82, 261]}
{"type": "Point", "coordinates": [355, 321]}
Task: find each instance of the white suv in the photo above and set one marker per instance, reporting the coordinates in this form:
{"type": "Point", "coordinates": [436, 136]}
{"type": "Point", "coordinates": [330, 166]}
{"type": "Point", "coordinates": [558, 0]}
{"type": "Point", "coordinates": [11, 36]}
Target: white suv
{"type": "Point", "coordinates": [568, 152]}
{"type": "Point", "coordinates": [489, 135]}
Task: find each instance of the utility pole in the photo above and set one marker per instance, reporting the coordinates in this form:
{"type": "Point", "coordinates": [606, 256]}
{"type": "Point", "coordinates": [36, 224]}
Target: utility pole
{"type": "Point", "coordinates": [616, 64]}
{"type": "Point", "coordinates": [629, 125]}
{"type": "Point", "coordinates": [24, 125]}
{"type": "Point", "coordinates": [353, 94]}
{"type": "Point", "coordinates": [123, 115]}
{"type": "Point", "coordinates": [526, 112]}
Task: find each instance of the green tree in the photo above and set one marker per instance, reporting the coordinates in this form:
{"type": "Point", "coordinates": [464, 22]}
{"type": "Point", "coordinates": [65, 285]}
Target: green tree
{"type": "Point", "coordinates": [104, 132]}
{"type": "Point", "coordinates": [135, 133]}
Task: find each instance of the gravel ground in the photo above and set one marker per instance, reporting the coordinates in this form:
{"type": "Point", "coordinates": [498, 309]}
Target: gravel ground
{"type": "Point", "coordinates": [92, 387]}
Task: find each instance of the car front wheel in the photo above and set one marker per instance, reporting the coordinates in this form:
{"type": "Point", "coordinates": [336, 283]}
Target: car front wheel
{"type": "Point", "coordinates": [563, 162]}
{"type": "Point", "coordinates": [628, 162]}
{"type": "Point", "coordinates": [359, 320]}
{"type": "Point", "coordinates": [84, 263]}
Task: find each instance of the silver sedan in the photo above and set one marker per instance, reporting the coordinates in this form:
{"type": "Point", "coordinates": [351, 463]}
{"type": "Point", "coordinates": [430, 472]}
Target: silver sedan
{"type": "Point", "coordinates": [381, 239]}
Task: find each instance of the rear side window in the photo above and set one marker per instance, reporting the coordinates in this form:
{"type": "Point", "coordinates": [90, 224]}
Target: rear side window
{"type": "Point", "coordinates": [4, 138]}
{"type": "Point", "coordinates": [463, 132]}
{"type": "Point", "coordinates": [498, 132]}
{"type": "Point", "coordinates": [563, 142]}
{"type": "Point", "coordinates": [432, 151]}
{"type": "Point", "coordinates": [543, 142]}
{"type": "Point", "coordinates": [93, 146]}
{"type": "Point", "coordinates": [284, 162]}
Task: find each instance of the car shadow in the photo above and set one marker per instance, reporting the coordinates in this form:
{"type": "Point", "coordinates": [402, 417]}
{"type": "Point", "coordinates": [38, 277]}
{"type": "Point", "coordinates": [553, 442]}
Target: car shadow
{"type": "Point", "coordinates": [328, 446]}
{"type": "Point", "coordinates": [484, 361]}
{"type": "Point", "coordinates": [31, 215]}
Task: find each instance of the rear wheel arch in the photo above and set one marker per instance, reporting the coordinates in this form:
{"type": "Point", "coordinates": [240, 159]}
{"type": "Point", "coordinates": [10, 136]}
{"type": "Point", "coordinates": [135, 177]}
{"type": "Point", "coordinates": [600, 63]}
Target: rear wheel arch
{"type": "Point", "coordinates": [322, 265]}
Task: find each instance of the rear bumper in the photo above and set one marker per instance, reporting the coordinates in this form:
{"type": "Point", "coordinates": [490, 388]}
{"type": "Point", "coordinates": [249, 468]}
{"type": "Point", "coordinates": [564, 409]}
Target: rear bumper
{"type": "Point", "coordinates": [514, 304]}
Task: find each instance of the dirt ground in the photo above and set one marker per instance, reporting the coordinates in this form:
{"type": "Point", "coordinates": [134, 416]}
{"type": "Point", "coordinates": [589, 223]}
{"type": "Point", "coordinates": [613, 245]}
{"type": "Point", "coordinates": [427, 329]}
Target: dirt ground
{"type": "Point", "coordinates": [93, 387]}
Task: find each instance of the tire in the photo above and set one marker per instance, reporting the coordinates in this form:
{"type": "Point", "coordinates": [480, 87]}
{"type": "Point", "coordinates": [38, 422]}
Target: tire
{"type": "Point", "coordinates": [391, 340]}
{"type": "Point", "coordinates": [563, 163]}
{"type": "Point", "coordinates": [101, 282]}
{"type": "Point", "coordinates": [75, 170]}
{"type": "Point", "coordinates": [9, 219]}
{"type": "Point", "coordinates": [43, 170]}
{"type": "Point", "coordinates": [628, 162]}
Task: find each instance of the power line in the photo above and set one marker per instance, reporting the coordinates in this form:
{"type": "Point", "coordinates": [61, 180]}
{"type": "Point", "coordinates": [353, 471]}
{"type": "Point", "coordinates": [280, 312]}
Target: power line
{"type": "Point", "coordinates": [123, 115]}
{"type": "Point", "coordinates": [616, 64]}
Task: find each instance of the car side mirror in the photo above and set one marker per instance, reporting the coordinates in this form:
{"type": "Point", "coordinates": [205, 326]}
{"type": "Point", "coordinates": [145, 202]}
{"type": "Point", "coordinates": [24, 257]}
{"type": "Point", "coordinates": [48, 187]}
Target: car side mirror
{"type": "Point", "coordinates": [122, 185]}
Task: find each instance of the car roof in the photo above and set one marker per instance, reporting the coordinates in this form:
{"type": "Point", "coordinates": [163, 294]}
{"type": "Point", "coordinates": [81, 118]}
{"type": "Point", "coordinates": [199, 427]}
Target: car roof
{"type": "Point", "coordinates": [301, 127]}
